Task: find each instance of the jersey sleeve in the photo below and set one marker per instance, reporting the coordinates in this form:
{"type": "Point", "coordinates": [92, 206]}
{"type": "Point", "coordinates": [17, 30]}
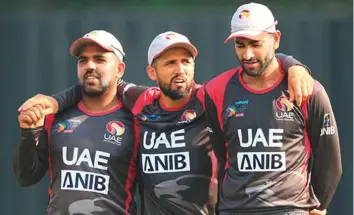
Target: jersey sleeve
{"type": "Point", "coordinates": [324, 140]}
{"type": "Point", "coordinates": [127, 91]}
{"type": "Point", "coordinates": [288, 61]}
{"type": "Point", "coordinates": [216, 135]}
{"type": "Point", "coordinates": [68, 98]}
{"type": "Point", "coordinates": [31, 158]}
{"type": "Point", "coordinates": [131, 93]}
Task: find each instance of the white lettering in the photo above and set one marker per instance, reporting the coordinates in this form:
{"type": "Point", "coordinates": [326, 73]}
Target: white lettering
{"type": "Point", "coordinates": [177, 136]}
{"type": "Point", "coordinates": [84, 181]}
{"type": "Point", "coordinates": [65, 159]}
{"type": "Point", "coordinates": [327, 131]}
{"type": "Point", "coordinates": [261, 161]}
{"type": "Point", "coordinates": [165, 162]}
{"type": "Point", "coordinates": [112, 139]}
{"type": "Point", "coordinates": [285, 116]}
{"type": "Point", "coordinates": [100, 160]}
{"type": "Point", "coordinates": [174, 140]}
{"type": "Point", "coordinates": [162, 140]}
{"type": "Point", "coordinates": [275, 137]}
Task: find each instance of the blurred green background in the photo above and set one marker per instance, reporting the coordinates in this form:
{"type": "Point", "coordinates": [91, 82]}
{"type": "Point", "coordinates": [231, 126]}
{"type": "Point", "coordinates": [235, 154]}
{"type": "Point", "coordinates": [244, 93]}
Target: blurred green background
{"type": "Point", "coordinates": [36, 35]}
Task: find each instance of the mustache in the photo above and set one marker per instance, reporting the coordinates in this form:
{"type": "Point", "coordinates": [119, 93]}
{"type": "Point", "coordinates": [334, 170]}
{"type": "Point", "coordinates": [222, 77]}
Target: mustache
{"type": "Point", "coordinates": [177, 76]}
{"type": "Point", "coordinates": [252, 60]}
{"type": "Point", "coordinates": [92, 72]}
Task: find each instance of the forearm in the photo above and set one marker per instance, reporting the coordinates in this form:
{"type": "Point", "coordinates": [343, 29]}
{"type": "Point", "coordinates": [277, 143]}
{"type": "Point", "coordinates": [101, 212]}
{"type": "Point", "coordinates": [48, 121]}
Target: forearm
{"type": "Point", "coordinates": [325, 146]}
{"type": "Point", "coordinates": [288, 61]}
{"type": "Point", "coordinates": [326, 174]}
{"type": "Point", "coordinates": [29, 168]}
{"type": "Point", "coordinates": [68, 98]}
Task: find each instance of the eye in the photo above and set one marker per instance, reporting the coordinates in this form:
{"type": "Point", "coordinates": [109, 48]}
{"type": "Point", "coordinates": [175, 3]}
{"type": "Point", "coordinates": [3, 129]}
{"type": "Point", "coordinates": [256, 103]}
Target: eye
{"type": "Point", "coordinates": [81, 60]}
{"type": "Point", "coordinates": [240, 45]}
{"type": "Point", "coordinates": [187, 61]}
{"type": "Point", "coordinates": [256, 45]}
{"type": "Point", "coordinates": [169, 62]}
{"type": "Point", "coordinates": [100, 59]}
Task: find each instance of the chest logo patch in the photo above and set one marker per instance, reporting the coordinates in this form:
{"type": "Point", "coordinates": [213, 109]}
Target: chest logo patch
{"type": "Point", "coordinates": [115, 127]}
{"type": "Point", "coordinates": [69, 125]}
{"type": "Point", "coordinates": [284, 104]}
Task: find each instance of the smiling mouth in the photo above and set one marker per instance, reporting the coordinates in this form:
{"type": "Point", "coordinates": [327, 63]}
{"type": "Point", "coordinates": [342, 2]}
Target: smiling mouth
{"type": "Point", "coordinates": [91, 77]}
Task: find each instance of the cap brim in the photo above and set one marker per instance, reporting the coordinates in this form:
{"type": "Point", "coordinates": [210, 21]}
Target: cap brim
{"type": "Point", "coordinates": [192, 49]}
{"type": "Point", "coordinates": [77, 45]}
{"type": "Point", "coordinates": [252, 35]}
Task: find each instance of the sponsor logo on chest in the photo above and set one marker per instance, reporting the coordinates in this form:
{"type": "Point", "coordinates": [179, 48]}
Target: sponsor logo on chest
{"type": "Point", "coordinates": [187, 116]}
{"type": "Point", "coordinates": [261, 161]}
{"type": "Point", "coordinates": [115, 129]}
{"type": "Point", "coordinates": [177, 161]}
{"type": "Point", "coordinates": [237, 109]}
{"type": "Point", "coordinates": [85, 180]}
{"type": "Point", "coordinates": [284, 109]}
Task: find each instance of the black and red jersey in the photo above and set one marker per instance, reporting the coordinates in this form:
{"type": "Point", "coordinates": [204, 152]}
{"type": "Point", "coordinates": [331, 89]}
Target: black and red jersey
{"type": "Point", "coordinates": [178, 170]}
{"type": "Point", "coordinates": [278, 154]}
{"type": "Point", "coordinates": [91, 160]}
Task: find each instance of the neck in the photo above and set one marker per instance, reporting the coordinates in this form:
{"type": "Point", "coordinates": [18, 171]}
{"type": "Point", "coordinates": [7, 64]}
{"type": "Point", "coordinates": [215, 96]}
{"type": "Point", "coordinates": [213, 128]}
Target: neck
{"type": "Point", "coordinates": [105, 102]}
{"type": "Point", "coordinates": [174, 104]}
{"type": "Point", "coordinates": [267, 79]}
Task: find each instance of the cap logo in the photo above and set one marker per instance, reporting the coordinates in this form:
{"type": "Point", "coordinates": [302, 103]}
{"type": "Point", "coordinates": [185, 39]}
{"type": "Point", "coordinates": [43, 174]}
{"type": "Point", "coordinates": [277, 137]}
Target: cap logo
{"type": "Point", "coordinates": [244, 14]}
{"type": "Point", "coordinates": [170, 36]}
{"type": "Point", "coordinates": [91, 34]}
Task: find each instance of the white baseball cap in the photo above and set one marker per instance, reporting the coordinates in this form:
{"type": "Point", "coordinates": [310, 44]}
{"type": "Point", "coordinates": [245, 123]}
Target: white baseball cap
{"type": "Point", "coordinates": [167, 40]}
{"type": "Point", "coordinates": [252, 21]}
{"type": "Point", "coordinates": [102, 38]}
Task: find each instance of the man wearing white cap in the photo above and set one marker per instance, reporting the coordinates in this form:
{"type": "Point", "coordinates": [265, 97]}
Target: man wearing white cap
{"type": "Point", "coordinates": [178, 169]}
{"type": "Point", "coordinates": [90, 149]}
{"type": "Point", "coordinates": [282, 159]}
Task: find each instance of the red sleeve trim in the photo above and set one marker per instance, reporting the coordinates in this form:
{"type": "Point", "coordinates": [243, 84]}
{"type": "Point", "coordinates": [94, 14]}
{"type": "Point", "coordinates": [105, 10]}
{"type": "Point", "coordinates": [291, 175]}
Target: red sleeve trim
{"type": "Point", "coordinates": [216, 89]}
{"type": "Point", "coordinates": [200, 96]}
{"type": "Point", "coordinates": [132, 171]}
{"type": "Point", "coordinates": [144, 99]}
{"type": "Point", "coordinates": [48, 125]}
{"type": "Point", "coordinates": [304, 108]}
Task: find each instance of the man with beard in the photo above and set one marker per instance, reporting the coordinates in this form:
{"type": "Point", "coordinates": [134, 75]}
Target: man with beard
{"type": "Point", "coordinates": [89, 149]}
{"type": "Point", "coordinates": [178, 169]}
{"type": "Point", "coordinates": [282, 159]}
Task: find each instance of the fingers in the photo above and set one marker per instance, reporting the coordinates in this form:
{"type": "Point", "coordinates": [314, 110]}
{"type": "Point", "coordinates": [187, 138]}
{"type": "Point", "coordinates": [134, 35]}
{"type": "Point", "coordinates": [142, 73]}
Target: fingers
{"type": "Point", "coordinates": [310, 86]}
{"type": "Point", "coordinates": [24, 119]}
{"type": "Point", "coordinates": [33, 115]}
{"type": "Point", "coordinates": [291, 94]}
{"type": "Point", "coordinates": [38, 111]}
{"type": "Point", "coordinates": [318, 212]}
{"type": "Point", "coordinates": [39, 99]}
{"type": "Point", "coordinates": [304, 91]}
{"type": "Point", "coordinates": [297, 94]}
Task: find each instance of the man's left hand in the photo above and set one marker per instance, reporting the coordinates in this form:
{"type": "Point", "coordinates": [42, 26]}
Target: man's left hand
{"type": "Point", "coordinates": [300, 84]}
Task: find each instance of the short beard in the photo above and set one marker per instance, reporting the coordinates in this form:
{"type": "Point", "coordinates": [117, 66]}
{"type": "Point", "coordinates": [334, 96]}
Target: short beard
{"type": "Point", "coordinates": [177, 94]}
{"type": "Point", "coordinates": [263, 65]}
{"type": "Point", "coordinates": [97, 93]}
{"type": "Point", "coordinates": [93, 94]}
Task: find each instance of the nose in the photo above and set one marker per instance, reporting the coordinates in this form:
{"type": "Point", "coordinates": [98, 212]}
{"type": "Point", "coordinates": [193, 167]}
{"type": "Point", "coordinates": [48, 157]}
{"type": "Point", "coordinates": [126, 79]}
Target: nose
{"type": "Point", "coordinates": [180, 69]}
{"type": "Point", "coordinates": [248, 54]}
{"type": "Point", "coordinates": [91, 65]}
